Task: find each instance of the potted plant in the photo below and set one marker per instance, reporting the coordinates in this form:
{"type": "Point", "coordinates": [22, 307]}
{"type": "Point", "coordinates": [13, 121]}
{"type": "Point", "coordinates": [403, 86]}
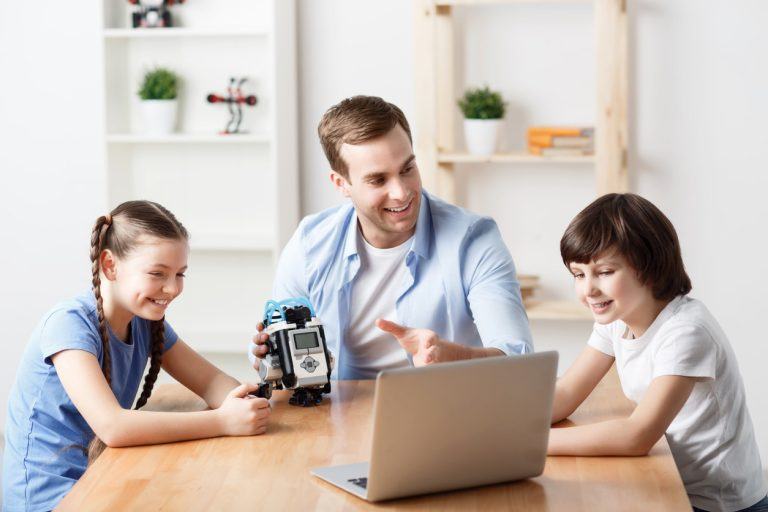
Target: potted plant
{"type": "Point", "coordinates": [483, 111]}
{"type": "Point", "coordinates": [159, 106]}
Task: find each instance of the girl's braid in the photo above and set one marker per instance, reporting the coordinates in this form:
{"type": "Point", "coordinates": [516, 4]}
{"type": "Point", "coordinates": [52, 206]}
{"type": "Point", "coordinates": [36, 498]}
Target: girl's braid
{"type": "Point", "coordinates": [158, 341]}
{"type": "Point", "coordinates": [97, 242]}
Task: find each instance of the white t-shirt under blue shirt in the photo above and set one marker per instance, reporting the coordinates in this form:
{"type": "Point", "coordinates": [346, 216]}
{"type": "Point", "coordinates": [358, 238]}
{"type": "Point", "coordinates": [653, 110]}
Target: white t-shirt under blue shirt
{"type": "Point", "coordinates": [712, 439]}
{"type": "Point", "coordinates": [373, 295]}
{"type": "Point", "coordinates": [42, 460]}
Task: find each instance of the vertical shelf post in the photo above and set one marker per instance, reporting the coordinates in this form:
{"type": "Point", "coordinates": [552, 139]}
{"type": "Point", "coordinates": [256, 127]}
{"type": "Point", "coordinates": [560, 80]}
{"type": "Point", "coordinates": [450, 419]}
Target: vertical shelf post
{"type": "Point", "coordinates": [611, 122]}
{"type": "Point", "coordinates": [425, 143]}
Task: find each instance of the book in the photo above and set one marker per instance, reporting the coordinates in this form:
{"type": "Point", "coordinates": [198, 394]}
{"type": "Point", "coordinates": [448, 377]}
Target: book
{"type": "Point", "coordinates": [561, 131]}
{"type": "Point", "coordinates": [552, 141]}
{"type": "Point", "coordinates": [540, 151]}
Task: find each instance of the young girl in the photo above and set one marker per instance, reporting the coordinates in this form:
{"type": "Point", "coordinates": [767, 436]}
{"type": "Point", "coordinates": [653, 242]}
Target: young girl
{"type": "Point", "coordinates": [83, 365]}
{"type": "Point", "coordinates": [673, 359]}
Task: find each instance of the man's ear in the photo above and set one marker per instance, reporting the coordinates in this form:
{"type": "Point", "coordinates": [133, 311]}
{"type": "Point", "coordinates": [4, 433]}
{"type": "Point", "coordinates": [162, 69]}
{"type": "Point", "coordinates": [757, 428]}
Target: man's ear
{"type": "Point", "coordinates": [340, 182]}
{"type": "Point", "coordinates": [107, 262]}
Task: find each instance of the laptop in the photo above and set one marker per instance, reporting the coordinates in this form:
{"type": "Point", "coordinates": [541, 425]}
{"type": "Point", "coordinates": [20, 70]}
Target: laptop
{"type": "Point", "coordinates": [454, 425]}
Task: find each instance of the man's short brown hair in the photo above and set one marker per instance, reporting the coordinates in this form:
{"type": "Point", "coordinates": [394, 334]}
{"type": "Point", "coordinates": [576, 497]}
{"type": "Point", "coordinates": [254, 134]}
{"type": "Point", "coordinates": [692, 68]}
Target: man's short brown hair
{"type": "Point", "coordinates": [355, 120]}
{"type": "Point", "coordinates": [633, 227]}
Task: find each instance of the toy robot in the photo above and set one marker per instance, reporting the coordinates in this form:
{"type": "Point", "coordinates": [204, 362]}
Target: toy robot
{"type": "Point", "coordinates": [152, 13]}
{"type": "Point", "coordinates": [235, 101]}
{"type": "Point", "coordinates": [298, 357]}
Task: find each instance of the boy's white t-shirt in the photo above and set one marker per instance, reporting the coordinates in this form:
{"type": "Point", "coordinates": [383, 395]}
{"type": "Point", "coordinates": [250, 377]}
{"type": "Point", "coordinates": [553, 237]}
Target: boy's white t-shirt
{"type": "Point", "coordinates": [712, 439]}
{"type": "Point", "coordinates": [374, 292]}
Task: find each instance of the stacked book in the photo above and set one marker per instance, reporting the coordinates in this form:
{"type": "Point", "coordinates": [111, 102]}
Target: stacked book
{"type": "Point", "coordinates": [561, 140]}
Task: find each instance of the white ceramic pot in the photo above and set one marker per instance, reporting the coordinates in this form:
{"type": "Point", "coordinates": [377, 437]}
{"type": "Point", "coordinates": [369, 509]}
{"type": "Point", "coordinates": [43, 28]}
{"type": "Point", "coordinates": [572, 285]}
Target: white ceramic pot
{"type": "Point", "coordinates": [159, 116]}
{"type": "Point", "coordinates": [482, 135]}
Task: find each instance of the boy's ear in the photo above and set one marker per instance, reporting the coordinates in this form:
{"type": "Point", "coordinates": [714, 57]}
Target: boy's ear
{"type": "Point", "coordinates": [340, 182]}
{"type": "Point", "coordinates": [107, 263]}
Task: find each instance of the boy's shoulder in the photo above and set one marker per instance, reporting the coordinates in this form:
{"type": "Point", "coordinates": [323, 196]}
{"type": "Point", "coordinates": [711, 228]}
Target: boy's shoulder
{"type": "Point", "coordinates": [688, 313]}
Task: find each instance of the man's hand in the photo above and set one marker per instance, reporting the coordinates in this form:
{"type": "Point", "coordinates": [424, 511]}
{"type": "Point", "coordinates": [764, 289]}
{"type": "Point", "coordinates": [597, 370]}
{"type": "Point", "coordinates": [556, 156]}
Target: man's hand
{"type": "Point", "coordinates": [424, 345]}
{"type": "Point", "coordinates": [258, 347]}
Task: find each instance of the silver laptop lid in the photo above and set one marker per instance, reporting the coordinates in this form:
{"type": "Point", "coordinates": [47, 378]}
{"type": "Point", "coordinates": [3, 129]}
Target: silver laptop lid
{"type": "Point", "coordinates": [462, 424]}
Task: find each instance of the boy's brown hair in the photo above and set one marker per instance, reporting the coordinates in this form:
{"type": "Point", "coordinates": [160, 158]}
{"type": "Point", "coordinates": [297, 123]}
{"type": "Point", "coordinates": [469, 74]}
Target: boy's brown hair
{"type": "Point", "coordinates": [633, 227]}
{"type": "Point", "coordinates": [353, 121]}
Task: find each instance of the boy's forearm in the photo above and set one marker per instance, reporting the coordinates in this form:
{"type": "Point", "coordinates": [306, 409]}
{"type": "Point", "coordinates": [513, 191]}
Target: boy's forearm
{"type": "Point", "coordinates": [133, 427]}
{"type": "Point", "coordinates": [561, 406]}
{"type": "Point", "coordinates": [615, 437]}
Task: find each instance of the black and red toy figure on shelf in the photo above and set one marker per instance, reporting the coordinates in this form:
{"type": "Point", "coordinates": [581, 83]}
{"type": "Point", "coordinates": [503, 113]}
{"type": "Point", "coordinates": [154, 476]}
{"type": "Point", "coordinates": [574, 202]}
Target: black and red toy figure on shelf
{"type": "Point", "coordinates": [235, 101]}
{"type": "Point", "coordinates": [152, 13]}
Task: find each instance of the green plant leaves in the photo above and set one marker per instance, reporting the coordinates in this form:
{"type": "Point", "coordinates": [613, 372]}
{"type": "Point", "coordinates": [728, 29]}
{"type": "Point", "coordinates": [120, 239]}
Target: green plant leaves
{"type": "Point", "coordinates": [159, 84]}
{"type": "Point", "coordinates": [482, 103]}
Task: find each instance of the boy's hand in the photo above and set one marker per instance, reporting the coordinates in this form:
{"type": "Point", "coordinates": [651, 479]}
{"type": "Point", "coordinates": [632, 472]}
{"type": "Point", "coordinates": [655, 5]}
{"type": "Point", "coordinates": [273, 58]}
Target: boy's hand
{"type": "Point", "coordinates": [242, 414]}
{"type": "Point", "coordinates": [423, 344]}
{"type": "Point", "coordinates": [257, 347]}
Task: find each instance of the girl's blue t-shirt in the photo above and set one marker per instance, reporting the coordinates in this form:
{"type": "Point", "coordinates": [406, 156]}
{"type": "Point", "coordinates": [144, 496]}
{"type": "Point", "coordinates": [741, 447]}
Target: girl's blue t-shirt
{"type": "Point", "coordinates": [45, 433]}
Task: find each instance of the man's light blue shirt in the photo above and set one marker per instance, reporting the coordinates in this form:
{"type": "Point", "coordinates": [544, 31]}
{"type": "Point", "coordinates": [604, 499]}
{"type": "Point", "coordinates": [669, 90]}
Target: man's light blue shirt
{"type": "Point", "coordinates": [461, 280]}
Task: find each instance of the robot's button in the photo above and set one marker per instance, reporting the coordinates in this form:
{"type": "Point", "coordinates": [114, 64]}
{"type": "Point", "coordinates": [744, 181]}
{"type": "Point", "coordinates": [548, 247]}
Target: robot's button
{"type": "Point", "coordinates": [309, 364]}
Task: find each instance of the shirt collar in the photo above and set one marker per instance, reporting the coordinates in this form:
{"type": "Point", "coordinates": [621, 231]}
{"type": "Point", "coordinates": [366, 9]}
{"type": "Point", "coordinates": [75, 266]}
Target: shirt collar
{"type": "Point", "coordinates": [421, 238]}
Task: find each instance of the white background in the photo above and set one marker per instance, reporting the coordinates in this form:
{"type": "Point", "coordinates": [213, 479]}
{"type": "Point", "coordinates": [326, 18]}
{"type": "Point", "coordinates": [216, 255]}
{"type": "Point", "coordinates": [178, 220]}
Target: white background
{"type": "Point", "coordinates": [699, 145]}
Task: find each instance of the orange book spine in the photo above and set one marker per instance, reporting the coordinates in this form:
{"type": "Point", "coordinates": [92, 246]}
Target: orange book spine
{"type": "Point", "coordinates": [540, 139]}
{"type": "Point", "coordinates": [559, 131]}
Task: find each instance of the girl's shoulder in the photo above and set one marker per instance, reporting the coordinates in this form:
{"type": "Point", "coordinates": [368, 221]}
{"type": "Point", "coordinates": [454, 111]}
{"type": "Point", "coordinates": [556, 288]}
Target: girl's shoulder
{"type": "Point", "coordinates": [70, 324]}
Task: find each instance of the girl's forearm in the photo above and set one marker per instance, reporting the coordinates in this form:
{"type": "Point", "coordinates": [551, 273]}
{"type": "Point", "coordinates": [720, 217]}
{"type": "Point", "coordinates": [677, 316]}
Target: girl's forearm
{"type": "Point", "coordinates": [615, 437]}
{"type": "Point", "coordinates": [218, 389]}
{"type": "Point", "coordinates": [132, 427]}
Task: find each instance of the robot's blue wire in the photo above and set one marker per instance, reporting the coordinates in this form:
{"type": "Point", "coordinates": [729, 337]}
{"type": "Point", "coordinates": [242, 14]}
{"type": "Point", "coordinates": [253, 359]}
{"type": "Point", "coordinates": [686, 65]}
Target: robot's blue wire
{"type": "Point", "coordinates": [271, 306]}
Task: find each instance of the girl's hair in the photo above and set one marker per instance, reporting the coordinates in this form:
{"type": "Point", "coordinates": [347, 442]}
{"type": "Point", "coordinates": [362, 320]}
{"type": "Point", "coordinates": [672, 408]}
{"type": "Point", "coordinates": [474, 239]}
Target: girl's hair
{"type": "Point", "coordinates": [120, 231]}
{"type": "Point", "coordinates": [633, 227]}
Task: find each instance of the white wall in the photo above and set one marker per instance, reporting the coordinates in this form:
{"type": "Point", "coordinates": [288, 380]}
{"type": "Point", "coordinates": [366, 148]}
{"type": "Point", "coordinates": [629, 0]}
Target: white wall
{"type": "Point", "coordinates": [699, 144]}
{"type": "Point", "coordinates": [50, 164]}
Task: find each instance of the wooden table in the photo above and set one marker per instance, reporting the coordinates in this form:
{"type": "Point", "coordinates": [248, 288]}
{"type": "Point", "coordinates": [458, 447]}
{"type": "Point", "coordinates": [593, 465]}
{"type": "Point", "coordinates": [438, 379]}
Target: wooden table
{"type": "Point", "coordinates": [271, 472]}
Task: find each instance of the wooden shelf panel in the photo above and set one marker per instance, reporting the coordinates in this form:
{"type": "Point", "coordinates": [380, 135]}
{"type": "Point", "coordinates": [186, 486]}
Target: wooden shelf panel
{"type": "Point", "coordinates": [188, 138]}
{"type": "Point", "coordinates": [556, 310]}
{"type": "Point", "coordinates": [512, 157]}
{"type": "Point", "coordinates": [156, 33]}
{"type": "Point", "coordinates": [447, 3]}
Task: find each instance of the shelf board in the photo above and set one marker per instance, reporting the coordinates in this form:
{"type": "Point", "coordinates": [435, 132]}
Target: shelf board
{"type": "Point", "coordinates": [225, 340]}
{"type": "Point", "coordinates": [446, 3]}
{"type": "Point", "coordinates": [188, 138]}
{"type": "Point", "coordinates": [556, 310]}
{"type": "Point", "coordinates": [512, 157]}
{"type": "Point", "coordinates": [226, 242]}
{"type": "Point", "coordinates": [172, 32]}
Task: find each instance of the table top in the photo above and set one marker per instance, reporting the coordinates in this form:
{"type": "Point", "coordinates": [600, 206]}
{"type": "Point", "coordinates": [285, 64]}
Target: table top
{"type": "Point", "coordinates": [272, 471]}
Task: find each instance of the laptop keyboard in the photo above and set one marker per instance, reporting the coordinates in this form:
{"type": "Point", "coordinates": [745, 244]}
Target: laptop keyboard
{"type": "Point", "coordinates": [360, 482]}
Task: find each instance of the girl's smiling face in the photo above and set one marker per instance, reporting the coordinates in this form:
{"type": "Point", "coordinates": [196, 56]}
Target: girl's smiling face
{"type": "Point", "coordinates": [148, 278]}
{"type": "Point", "coordinates": [610, 288]}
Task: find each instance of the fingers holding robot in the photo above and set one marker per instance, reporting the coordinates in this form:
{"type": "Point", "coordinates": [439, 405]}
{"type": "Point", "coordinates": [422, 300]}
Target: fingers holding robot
{"type": "Point", "coordinates": [292, 352]}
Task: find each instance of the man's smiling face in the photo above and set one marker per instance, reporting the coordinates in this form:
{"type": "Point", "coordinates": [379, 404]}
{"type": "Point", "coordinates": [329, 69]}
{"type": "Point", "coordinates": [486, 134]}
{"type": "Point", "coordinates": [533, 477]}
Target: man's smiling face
{"type": "Point", "coordinates": [384, 185]}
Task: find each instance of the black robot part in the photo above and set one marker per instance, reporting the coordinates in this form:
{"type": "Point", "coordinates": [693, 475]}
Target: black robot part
{"type": "Point", "coordinates": [298, 315]}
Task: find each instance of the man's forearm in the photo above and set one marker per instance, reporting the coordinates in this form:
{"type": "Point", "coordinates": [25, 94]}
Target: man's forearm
{"type": "Point", "coordinates": [459, 352]}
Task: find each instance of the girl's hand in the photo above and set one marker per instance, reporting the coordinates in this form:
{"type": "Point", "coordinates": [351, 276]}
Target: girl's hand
{"type": "Point", "coordinates": [243, 415]}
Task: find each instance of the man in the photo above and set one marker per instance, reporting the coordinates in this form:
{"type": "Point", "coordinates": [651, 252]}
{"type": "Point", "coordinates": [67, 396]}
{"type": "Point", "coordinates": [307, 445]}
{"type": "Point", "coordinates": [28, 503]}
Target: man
{"type": "Point", "coordinates": [398, 277]}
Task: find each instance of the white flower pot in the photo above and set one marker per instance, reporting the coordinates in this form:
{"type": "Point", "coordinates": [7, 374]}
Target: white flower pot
{"type": "Point", "coordinates": [158, 116]}
{"type": "Point", "coordinates": [481, 135]}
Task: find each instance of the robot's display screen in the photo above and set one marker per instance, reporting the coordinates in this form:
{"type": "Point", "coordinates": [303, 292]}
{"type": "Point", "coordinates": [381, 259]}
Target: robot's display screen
{"type": "Point", "coordinates": [306, 340]}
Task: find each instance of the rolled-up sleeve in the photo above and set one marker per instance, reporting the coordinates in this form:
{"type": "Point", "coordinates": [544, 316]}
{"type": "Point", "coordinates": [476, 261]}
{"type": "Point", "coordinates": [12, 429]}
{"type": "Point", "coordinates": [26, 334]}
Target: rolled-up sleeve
{"type": "Point", "coordinates": [493, 291]}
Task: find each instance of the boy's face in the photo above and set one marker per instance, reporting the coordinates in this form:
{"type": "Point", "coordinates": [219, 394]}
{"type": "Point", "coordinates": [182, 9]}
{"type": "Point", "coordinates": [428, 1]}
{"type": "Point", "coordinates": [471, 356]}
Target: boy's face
{"type": "Point", "coordinates": [146, 280]}
{"type": "Point", "coordinates": [610, 288]}
{"type": "Point", "coordinates": [384, 185]}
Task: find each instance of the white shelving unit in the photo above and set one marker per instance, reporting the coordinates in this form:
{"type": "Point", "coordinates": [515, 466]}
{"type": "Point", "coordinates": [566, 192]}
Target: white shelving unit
{"type": "Point", "coordinates": [236, 194]}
